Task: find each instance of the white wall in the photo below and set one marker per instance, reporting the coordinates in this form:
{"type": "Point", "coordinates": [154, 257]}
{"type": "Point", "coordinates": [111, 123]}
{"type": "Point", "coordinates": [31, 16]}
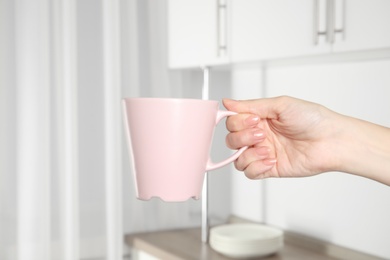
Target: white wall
{"type": "Point", "coordinates": [343, 209]}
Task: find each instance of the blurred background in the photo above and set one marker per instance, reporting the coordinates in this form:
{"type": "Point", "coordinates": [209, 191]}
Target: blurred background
{"type": "Point", "coordinates": [66, 188]}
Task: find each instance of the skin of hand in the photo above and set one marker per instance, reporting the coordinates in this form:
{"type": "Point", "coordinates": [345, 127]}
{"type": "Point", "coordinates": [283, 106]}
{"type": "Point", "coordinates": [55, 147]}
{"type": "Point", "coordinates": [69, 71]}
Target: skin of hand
{"type": "Point", "coordinates": [288, 137]}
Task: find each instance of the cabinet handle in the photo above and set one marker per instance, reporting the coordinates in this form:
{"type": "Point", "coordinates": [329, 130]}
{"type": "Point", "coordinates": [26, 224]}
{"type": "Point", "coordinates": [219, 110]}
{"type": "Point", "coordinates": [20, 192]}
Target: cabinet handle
{"type": "Point", "coordinates": [221, 28]}
{"type": "Point", "coordinates": [330, 21]}
{"type": "Point", "coordinates": [335, 20]}
{"type": "Point", "coordinates": [316, 22]}
{"type": "Point", "coordinates": [340, 9]}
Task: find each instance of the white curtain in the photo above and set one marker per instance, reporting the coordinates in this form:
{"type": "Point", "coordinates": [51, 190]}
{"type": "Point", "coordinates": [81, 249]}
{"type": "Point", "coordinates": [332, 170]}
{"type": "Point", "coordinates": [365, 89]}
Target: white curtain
{"type": "Point", "coordinates": [65, 183]}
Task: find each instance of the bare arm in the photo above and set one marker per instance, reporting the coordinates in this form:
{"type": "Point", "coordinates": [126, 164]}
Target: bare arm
{"type": "Point", "coordinates": [364, 149]}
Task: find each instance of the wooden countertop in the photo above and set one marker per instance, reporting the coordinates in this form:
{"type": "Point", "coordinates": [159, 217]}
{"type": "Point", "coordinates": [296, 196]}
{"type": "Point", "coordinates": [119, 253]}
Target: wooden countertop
{"type": "Point", "coordinates": [186, 244]}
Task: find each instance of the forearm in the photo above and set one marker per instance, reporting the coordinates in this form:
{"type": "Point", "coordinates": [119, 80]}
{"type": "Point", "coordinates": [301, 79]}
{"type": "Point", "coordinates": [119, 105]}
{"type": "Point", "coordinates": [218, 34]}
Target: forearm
{"type": "Point", "coordinates": [365, 150]}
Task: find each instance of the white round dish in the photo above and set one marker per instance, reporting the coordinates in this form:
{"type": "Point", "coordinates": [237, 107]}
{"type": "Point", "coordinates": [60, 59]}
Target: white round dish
{"type": "Point", "coordinates": [246, 240]}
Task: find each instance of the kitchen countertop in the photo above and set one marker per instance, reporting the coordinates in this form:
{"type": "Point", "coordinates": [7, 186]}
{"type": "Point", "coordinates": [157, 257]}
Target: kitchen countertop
{"type": "Point", "coordinates": [186, 244]}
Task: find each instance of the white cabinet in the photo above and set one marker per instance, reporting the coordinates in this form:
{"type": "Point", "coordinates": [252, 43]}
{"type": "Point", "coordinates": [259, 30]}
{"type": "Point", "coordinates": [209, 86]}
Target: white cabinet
{"type": "Point", "coordinates": [268, 29]}
{"type": "Point", "coordinates": [366, 25]}
{"type": "Point", "coordinates": [211, 32]}
{"type": "Point", "coordinates": [197, 33]}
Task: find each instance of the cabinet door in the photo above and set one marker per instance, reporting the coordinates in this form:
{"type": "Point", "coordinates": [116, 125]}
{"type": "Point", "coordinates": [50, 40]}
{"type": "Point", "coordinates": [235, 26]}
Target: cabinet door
{"type": "Point", "coordinates": [268, 29]}
{"type": "Point", "coordinates": [193, 31]}
{"type": "Point", "coordinates": [366, 25]}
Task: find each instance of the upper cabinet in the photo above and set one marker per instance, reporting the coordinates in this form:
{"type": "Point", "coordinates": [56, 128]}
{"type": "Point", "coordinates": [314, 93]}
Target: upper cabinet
{"type": "Point", "coordinates": [364, 24]}
{"type": "Point", "coordinates": [269, 29]}
{"type": "Point", "coordinates": [197, 33]}
{"type": "Point", "coordinates": [210, 32]}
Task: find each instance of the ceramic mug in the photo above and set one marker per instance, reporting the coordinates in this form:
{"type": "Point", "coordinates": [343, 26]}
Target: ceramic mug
{"type": "Point", "coordinates": [169, 142]}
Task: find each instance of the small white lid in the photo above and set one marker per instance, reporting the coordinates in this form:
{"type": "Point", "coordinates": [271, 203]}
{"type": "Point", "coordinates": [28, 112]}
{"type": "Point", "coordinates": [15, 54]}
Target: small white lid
{"type": "Point", "coordinates": [246, 240]}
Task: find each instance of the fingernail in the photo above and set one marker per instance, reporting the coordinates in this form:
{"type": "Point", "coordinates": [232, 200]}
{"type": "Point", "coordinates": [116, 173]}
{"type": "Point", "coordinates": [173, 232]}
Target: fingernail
{"type": "Point", "coordinates": [258, 134]}
{"type": "Point", "coordinates": [252, 120]}
{"type": "Point", "coordinates": [270, 161]}
{"type": "Point", "coordinates": [263, 150]}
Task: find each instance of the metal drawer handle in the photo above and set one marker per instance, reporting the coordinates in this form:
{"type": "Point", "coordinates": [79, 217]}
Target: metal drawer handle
{"type": "Point", "coordinates": [335, 12]}
{"type": "Point", "coordinates": [316, 22]}
{"type": "Point", "coordinates": [340, 13]}
{"type": "Point", "coordinates": [221, 28]}
{"type": "Point", "coordinates": [330, 21]}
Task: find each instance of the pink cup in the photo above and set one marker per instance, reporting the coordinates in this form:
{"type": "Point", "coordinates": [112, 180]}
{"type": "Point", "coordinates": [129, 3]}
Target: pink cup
{"type": "Point", "coordinates": [169, 142]}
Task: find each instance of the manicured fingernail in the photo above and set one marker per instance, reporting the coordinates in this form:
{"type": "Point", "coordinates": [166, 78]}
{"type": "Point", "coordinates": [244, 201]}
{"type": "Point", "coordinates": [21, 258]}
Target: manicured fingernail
{"type": "Point", "coordinates": [252, 120]}
{"type": "Point", "coordinates": [263, 150]}
{"type": "Point", "coordinates": [258, 134]}
{"type": "Point", "coordinates": [270, 161]}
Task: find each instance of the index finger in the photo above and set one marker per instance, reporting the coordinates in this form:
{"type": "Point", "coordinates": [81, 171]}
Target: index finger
{"type": "Point", "coordinates": [240, 122]}
{"type": "Point", "coordinates": [265, 108]}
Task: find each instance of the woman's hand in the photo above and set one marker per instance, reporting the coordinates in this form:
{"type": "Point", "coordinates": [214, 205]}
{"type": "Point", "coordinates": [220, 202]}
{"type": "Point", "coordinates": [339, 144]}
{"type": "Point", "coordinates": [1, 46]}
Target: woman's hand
{"type": "Point", "coordinates": [287, 137]}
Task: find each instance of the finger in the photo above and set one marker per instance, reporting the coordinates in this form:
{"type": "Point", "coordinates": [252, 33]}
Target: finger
{"type": "Point", "coordinates": [247, 137]}
{"type": "Point", "coordinates": [251, 155]}
{"type": "Point", "coordinates": [265, 107]}
{"type": "Point", "coordinates": [260, 169]}
{"type": "Point", "coordinates": [241, 121]}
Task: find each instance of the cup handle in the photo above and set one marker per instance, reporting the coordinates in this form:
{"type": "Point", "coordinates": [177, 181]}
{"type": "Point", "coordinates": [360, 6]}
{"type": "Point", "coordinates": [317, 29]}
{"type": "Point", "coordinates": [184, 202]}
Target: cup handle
{"type": "Point", "coordinates": [212, 166]}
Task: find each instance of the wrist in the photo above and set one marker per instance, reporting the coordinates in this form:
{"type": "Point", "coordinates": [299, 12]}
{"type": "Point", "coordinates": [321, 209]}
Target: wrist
{"type": "Point", "coordinates": [363, 149]}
